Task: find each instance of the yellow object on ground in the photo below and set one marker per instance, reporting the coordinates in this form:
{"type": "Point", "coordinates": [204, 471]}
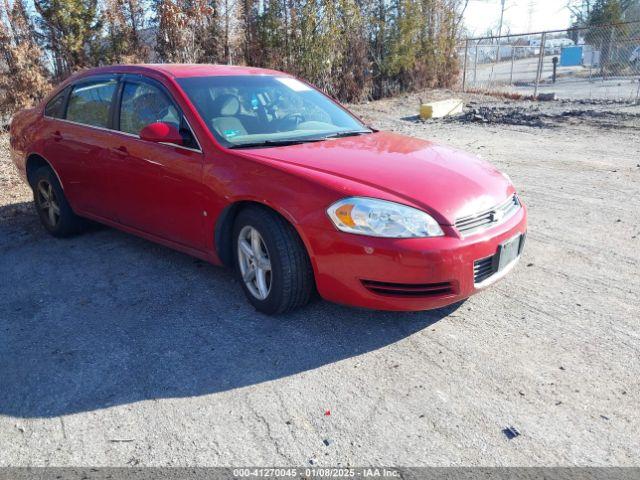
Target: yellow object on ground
{"type": "Point", "coordinates": [452, 106]}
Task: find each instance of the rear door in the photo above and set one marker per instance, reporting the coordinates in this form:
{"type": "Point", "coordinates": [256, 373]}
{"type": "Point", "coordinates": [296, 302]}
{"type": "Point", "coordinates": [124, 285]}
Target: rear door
{"type": "Point", "coordinates": [77, 143]}
{"type": "Point", "coordinates": [159, 186]}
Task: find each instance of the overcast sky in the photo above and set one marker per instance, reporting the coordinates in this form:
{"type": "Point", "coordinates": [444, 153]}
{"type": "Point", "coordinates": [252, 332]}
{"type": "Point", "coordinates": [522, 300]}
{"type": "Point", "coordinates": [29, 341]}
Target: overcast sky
{"type": "Point", "coordinates": [520, 16]}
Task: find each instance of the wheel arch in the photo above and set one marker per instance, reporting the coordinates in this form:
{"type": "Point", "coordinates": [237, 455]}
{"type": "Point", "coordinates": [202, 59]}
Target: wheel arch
{"type": "Point", "coordinates": [224, 230]}
{"type": "Point", "coordinates": [34, 162]}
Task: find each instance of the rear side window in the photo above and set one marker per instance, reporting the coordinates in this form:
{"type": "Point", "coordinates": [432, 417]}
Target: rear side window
{"type": "Point", "coordinates": [55, 107]}
{"type": "Point", "coordinates": [144, 104]}
{"type": "Point", "coordinates": [90, 103]}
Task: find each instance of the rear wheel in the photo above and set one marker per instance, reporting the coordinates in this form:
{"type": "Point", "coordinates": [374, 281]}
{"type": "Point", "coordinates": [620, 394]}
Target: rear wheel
{"type": "Point", "coordinates": [53, 208]}
{"type": "Point", "coordinates": [271, 261]}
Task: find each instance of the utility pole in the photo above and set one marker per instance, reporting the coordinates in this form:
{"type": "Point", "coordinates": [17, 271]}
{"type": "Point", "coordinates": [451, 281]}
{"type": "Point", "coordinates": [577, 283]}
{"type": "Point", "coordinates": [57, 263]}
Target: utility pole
{"type": "Point", "coordinates": [503, 2]}
{"type": "Point", "coordinates": [530, 10]}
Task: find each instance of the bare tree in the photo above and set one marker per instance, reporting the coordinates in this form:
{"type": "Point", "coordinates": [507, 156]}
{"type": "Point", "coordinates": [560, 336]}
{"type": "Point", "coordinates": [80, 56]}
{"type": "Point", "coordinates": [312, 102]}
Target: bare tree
{"type": "Point", "coordinates": [23, 76]}
{"type": "Point", "coordinates": [231, 20]}
{"type": "Point", "coordinates": [185, 31]}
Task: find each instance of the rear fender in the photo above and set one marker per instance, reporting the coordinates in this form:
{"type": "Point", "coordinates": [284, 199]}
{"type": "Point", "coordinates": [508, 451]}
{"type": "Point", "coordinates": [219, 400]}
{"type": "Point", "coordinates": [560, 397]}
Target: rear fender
{"type": "Point", "coordinates": [21, 138]}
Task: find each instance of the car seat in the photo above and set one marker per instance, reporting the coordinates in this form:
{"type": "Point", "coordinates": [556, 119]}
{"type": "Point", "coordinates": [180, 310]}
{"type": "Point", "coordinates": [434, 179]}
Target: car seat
{"type": "Point", "coordinates": [226, 108]}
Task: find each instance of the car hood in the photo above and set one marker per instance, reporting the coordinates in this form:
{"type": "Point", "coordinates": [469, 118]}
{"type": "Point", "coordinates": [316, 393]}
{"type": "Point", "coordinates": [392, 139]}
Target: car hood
{"type": "Point", "coordinates": [445, 182]}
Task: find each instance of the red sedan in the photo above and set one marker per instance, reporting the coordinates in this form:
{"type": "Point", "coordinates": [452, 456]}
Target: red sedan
{"type": "Point", "coordinates": [259, 171]}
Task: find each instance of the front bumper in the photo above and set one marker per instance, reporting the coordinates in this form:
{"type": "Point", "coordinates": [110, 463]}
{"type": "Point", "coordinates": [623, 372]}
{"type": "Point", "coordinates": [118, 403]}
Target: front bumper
{"type": "Point", "coordinates": [343, 261]}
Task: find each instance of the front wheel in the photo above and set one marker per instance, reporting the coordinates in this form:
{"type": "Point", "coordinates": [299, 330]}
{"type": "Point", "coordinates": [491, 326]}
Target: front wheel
{"type": "Point", "coordinates": [271, 262]}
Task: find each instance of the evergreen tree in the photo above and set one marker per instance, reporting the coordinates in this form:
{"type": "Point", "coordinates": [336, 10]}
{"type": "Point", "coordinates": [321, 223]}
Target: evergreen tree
{"type": "Point", "coordinates": [116, 44]}
{"type": "Point", "coordinates": [71, 30]}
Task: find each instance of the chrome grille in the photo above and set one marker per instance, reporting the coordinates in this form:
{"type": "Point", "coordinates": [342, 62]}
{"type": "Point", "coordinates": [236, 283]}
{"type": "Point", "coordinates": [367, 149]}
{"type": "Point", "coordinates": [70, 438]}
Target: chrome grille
{"type": "Point", "coordinates": [488, 218]}
{"type": "Point", "coordinates": [483, 269]}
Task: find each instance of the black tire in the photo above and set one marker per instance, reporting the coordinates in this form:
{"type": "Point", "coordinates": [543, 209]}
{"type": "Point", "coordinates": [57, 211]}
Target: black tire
{"type": "Point", "coordinates": [291, 274]}
{"type": "Point", "coordinates": [63, 224]}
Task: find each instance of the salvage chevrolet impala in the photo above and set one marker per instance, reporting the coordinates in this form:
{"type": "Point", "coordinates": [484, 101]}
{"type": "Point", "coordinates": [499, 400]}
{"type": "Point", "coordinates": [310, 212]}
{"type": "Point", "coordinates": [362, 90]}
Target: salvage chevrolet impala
{"type": "Point", "coordinates": [259, 171]}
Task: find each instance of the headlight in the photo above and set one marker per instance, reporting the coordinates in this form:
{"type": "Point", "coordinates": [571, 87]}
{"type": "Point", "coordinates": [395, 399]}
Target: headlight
{"type": "Point", "coordinates": [380, 218]}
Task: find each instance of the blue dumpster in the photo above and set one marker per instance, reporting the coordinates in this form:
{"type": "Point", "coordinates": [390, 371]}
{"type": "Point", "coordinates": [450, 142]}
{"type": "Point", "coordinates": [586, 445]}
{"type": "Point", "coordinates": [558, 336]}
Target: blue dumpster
{"type": "Point", "coordinates": [571, 56]}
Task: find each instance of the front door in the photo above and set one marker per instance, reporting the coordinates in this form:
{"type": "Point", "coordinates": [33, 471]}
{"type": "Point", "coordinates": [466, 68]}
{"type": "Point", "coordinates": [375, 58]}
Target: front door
{"type": "Point", "coordinates": [158, 186]}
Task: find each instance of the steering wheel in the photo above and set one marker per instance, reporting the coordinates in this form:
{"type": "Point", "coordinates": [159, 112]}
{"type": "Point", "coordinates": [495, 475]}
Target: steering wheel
{"type": "Point", "coordinates": [295, 118]}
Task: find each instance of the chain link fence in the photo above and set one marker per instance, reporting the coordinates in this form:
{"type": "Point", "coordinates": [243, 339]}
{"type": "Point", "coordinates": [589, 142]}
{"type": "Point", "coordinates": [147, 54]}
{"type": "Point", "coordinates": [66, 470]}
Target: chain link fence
{"type": "Point", "coordinates": [591, 63]}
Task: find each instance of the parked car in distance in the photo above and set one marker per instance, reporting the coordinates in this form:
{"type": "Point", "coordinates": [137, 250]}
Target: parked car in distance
{"type": "Point", "coordinates": [259, 171]}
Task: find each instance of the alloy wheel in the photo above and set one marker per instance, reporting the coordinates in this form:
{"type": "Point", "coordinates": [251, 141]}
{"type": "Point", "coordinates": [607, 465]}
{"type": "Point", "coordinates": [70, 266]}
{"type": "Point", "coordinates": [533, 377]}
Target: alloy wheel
{"type": "Point", "coordinates": [254, 262]}
{"type": "Point", "coordinates": [48, 203]}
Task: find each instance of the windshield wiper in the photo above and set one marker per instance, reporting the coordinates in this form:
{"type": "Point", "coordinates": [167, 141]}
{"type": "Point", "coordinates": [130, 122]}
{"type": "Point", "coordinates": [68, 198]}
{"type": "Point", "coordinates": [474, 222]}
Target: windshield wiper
{"type": "Point", "coordinates": [276, 143]}
{"type": "Point", "coordinates": [298, 141]}
{"type": "Point", "coordinates": [348, 133]}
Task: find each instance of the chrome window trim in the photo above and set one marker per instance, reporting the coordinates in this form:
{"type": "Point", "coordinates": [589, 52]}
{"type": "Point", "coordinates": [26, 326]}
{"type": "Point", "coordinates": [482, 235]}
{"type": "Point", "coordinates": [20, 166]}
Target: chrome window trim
{"type": "Point", "coordinates": [199, 150]}
{"type": "Point", "coordinates": [195, 137]}
{"type": "Point", "coordinates": [80, 124]}
{"type": "Point", "coordinates": [92, 79]}
{"type": "Point", "coordinates": [120, 79]}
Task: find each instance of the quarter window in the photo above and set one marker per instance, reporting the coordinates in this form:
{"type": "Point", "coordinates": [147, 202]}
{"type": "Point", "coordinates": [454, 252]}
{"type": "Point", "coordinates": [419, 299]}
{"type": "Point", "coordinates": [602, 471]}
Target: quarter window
{"type": "Point", "coordinates": [55, 107]}
{"type": "Point", "coordinates": [144, 104]}
{"type": "Point", "coordinates": [90, 103]}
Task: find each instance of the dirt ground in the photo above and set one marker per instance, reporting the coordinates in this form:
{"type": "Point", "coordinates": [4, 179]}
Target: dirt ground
{"type": "Point", "coordinates": [115, 351]}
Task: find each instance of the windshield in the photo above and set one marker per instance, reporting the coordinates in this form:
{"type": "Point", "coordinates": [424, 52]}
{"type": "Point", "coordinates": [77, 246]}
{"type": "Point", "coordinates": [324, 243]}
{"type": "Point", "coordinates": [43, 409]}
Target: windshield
{"type": "Point", "coordinates": [265, 110]}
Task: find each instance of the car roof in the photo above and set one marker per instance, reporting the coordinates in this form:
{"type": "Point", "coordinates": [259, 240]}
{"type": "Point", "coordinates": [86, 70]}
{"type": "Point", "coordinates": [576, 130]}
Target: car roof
{"type": "Point", "coordinates": [184, 70]}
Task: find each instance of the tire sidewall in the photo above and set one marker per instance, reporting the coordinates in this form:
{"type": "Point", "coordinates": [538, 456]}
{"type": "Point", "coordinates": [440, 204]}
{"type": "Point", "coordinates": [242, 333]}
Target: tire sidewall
{"type": "Point", "coordinates": [253, 218]}
{"type": "Point", "coordinates": [67, 220]}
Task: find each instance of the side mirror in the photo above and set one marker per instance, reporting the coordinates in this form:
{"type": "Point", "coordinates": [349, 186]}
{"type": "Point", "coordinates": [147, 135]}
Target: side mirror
{"type": "Point", "coordinates": [161, 132]}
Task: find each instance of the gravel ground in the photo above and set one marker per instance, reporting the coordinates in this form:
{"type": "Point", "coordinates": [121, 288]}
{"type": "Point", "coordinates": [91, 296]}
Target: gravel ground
{"type": "Point", "coordinates": [115, 351]}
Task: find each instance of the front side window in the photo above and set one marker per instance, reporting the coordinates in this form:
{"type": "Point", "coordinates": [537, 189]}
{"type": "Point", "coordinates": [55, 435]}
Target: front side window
{"type": "Point", "coordinates": [90, 103]}
{"type": "Point", "coordinates": [266, 110]}
{"type": "Point", "coordinates": [55, 107]}
{"type": "Point", "coordinates": [144, 104]}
